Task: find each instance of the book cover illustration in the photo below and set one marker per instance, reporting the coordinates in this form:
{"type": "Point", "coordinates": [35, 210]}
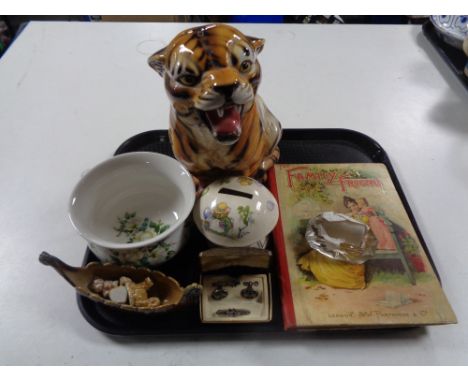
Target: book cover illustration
{"type": "Point", "coordinates": [396, 287]}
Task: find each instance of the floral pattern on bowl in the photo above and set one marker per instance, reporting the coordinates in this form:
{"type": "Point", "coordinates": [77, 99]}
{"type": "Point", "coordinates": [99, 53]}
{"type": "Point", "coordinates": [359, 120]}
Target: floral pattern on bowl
{"type": "Point", "coordinates": [139, 229]}
{"type": "Point", "coordinates": [135, 229]}
{"type": "Point", "coordinates": [146, 256]}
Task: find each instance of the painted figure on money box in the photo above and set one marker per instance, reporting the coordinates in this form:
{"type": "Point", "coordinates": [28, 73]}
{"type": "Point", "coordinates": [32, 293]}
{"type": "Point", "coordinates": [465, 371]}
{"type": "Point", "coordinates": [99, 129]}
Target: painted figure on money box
{"type": "Point", "coordinates": [219, 126]}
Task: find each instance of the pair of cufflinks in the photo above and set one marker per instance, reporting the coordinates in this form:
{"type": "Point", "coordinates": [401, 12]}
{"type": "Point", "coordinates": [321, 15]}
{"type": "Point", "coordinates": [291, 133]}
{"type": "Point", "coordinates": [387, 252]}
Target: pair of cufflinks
{"type": "Point", "coordinates": [248, 292]}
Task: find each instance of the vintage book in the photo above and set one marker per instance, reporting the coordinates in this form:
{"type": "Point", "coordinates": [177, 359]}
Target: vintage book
{"type": "Point", "coordinates": [397, 286]}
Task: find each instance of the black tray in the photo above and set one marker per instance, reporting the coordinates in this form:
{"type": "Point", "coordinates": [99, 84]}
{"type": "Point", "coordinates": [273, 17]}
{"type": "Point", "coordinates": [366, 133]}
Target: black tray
{"type": "Point", "coordinates": [297, 146]}
{"type": "Point", "coordinates": [455, 58]}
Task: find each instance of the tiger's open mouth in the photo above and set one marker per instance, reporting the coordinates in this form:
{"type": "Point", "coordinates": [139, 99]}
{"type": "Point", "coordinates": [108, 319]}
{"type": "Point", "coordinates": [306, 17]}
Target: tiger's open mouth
{"type": "Point", "coordinates": [225, 122]}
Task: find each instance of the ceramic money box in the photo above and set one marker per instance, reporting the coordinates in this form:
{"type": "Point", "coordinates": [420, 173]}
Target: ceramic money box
{"type": "Point", "coordinates": [219, 126]}
{"type": "Point", "coordinates": [236, 212]}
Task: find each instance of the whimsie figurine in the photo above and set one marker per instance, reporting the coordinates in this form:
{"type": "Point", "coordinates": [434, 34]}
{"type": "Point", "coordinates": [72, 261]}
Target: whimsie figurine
{"type": "Point", "coordinates": [218, 125]}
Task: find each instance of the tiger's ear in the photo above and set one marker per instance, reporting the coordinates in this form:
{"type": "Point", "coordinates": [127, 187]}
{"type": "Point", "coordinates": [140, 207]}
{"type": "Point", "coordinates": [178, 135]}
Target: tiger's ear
{"type": "Point", "coordinates": [157, 61]}
{"type": "Point", "coordinates": [257, 43]}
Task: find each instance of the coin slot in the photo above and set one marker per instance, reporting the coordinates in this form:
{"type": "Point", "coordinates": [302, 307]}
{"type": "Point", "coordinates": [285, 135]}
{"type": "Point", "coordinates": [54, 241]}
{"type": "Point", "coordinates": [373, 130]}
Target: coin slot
{"type": "Point", "coordinates": [230, 191]}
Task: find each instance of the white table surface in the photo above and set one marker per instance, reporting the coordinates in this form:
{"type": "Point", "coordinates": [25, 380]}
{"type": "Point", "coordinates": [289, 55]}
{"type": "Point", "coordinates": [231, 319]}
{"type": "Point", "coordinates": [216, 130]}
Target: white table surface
{"type": "Point", "coordinates": [70, 93]}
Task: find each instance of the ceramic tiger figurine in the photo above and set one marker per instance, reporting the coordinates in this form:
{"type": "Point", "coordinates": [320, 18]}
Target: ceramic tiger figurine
{"type": "Point", "coordinates": [219, 126]}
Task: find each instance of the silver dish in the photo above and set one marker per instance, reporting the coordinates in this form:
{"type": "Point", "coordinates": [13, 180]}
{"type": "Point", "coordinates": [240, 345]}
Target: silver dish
{"type": "Point", "coordinates": [340, 237]}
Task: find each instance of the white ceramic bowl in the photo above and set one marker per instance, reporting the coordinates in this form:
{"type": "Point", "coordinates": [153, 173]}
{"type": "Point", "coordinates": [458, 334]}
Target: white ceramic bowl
{"type": "Point", "coordinates": [131, 208]}
{"type": "Point", "coordinates": [236, 212]}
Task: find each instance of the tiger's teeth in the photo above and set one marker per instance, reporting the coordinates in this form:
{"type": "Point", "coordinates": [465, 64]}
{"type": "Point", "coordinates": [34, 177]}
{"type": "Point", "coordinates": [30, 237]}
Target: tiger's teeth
{"type": "Point", "coordinates": [220, 112]}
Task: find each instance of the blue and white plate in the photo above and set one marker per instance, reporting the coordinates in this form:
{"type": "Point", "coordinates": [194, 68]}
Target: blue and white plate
{"type": "Point", "coordinates": [452, 29]}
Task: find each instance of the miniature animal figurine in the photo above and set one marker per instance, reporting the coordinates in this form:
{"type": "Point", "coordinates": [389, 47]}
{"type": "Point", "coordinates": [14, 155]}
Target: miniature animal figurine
{"type": "Point", "coordinates": [219, 126]}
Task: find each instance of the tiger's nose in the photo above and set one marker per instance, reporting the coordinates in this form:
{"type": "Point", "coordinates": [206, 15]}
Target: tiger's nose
{"type": "Point", "coordinates": [226, 90]}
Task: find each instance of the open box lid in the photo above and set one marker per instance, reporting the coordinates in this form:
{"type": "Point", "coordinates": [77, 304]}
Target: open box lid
{"type": "Point", "coordinates": [220, 258]}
